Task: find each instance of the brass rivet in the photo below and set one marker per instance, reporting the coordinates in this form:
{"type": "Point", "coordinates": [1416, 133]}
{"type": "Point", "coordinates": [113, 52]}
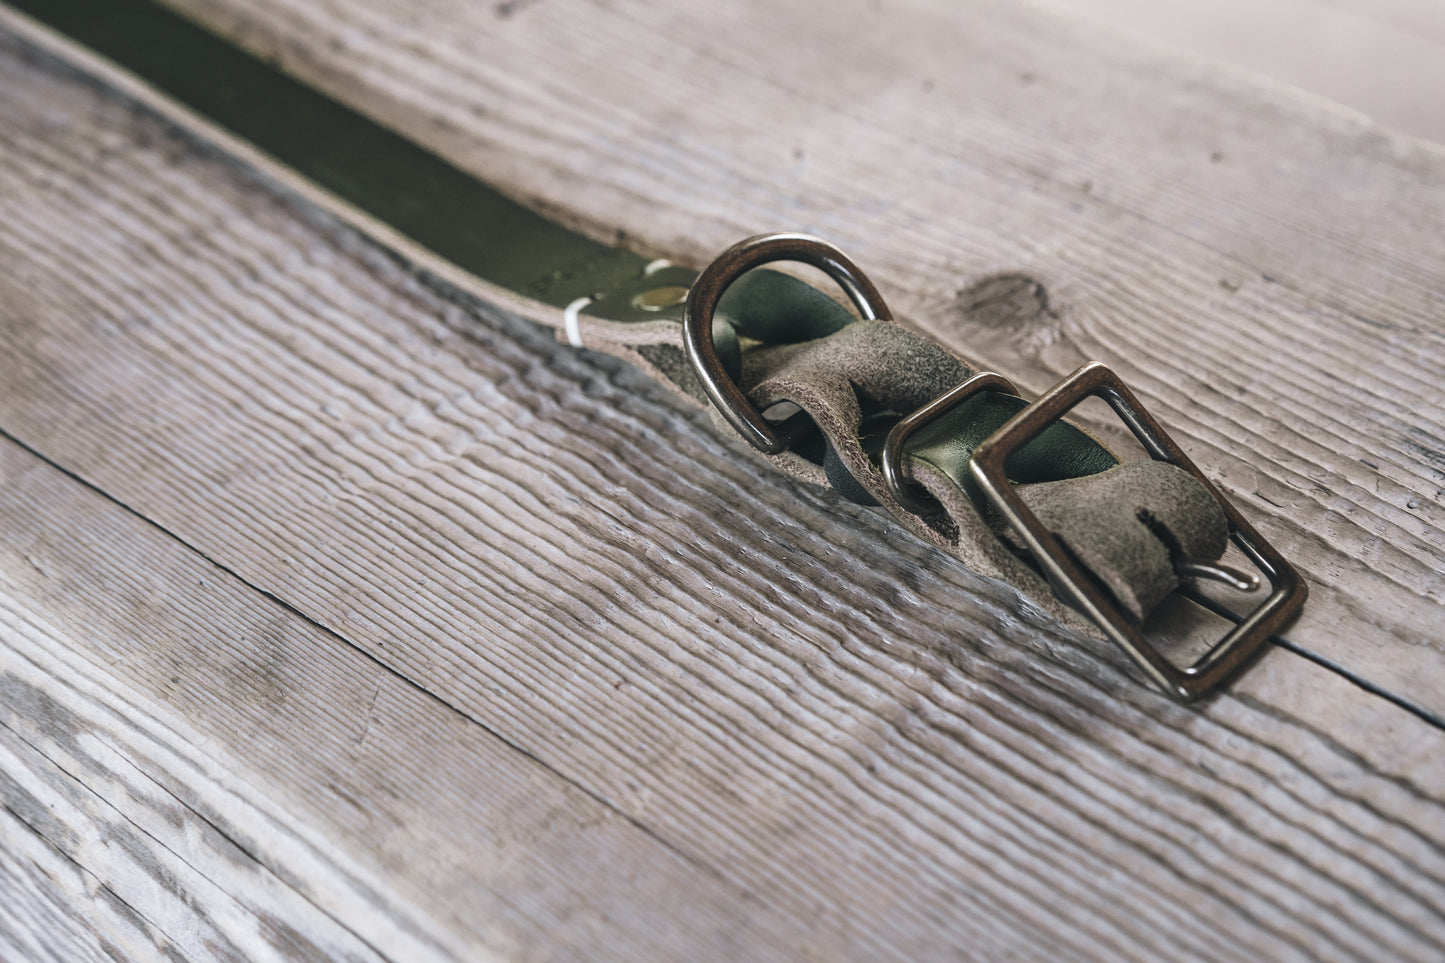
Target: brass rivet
{"type": "Point", "coordinates": [660, 298]}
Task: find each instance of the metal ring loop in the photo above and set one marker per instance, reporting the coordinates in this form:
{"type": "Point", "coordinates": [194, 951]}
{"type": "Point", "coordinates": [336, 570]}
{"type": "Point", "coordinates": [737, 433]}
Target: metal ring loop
{"type": "Point", "coordinates": [911, 496]}
{"type": "Point", "coordinates": [708, 289]}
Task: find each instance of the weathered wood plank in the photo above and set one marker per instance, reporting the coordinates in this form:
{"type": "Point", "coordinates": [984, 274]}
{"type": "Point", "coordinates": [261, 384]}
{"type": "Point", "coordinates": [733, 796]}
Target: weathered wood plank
{"type": "Point", "coordinates": [1384, 58]}
{"type": "Point", "coordinates": [83, 880]}
{"type": "Point", "coordinates": [187, 769]}
{"type": "Point", "coordinates": [1265, 272]}
{"type": "Point", "coordinates": [41, 918]}
{"type": "Point", "coordinates": [882, 754]}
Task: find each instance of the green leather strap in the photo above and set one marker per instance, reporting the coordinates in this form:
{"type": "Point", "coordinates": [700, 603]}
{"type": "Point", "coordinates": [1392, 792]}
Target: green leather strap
{"type": "Point", "coordinates": [446, 210]}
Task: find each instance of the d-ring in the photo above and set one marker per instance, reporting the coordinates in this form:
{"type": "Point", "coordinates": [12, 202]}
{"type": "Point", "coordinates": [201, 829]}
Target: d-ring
{"type": "Point", "coordinates": [708, 289]}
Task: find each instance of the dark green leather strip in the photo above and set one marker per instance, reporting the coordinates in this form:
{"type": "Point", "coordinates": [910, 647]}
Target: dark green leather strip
{"type": "Point", "coordinates": [441, 207]}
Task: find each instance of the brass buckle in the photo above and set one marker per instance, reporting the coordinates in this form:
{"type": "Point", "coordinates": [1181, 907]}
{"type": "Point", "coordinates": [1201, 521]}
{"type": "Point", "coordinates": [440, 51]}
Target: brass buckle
{"type": "Point", "coordinates": [1075, 586]}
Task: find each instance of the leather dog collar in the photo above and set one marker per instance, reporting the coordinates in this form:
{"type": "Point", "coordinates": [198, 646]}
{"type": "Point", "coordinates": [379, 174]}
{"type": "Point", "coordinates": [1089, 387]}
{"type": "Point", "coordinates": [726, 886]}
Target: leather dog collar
{"type": "Point", "coordinates": [879, 413]}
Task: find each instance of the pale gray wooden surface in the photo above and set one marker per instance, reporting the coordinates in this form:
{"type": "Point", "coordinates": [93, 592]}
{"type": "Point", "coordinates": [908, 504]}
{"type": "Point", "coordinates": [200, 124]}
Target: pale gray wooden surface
{"type": "Point", "coordinates": [345, 615]}
{"type": "Point", "coordinates": [1384, 58]}
{"type": "Point", "coordinates": [1265, 272]}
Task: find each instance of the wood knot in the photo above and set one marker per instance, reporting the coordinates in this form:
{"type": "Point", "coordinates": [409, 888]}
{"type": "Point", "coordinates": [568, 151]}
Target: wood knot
{"type": "Point", "coordinates": [1012, 301]}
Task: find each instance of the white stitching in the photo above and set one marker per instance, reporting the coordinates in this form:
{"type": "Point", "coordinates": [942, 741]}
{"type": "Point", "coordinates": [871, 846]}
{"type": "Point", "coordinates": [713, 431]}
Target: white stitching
{"type": "Point", "coordinates": [570, 323]}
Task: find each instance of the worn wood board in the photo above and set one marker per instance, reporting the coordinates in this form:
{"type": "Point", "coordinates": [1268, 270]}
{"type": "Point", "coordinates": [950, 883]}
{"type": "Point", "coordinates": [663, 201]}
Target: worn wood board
{"type": "Point", "coordinates": [732, 718]}
{"type": "Point", "coordinates": [1264, 271]}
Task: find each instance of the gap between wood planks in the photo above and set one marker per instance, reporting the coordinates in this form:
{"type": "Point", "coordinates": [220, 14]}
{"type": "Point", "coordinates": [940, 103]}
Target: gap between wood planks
{"type": "Point", "coordinates": [1283, 642]}
{"type": "Point", "coordinates": [1289, 645]}
{"type": "Point", "coordinates": [651, 833]}
{"type": "Point", "coordinates": [192, 812]}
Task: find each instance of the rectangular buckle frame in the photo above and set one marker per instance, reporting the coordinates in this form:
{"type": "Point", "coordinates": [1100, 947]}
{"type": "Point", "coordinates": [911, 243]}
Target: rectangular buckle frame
{"type": "Point", "coordinates": [1077, 587]}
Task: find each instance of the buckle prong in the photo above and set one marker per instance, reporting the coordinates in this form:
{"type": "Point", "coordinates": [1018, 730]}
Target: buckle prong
{"type": "Point", "coordinates": [1233, 577]}
{"type": "Point", "coordinates": [989, 470]}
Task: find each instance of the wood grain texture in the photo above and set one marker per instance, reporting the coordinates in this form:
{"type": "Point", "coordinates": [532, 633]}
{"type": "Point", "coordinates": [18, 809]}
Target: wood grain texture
{"type": "Point", "coordinates": [869, 751]}
{"type": "Point", "coordinates": [1265, 272]}
{"type": "Point", "coordinates": [1384, 58]}
{"type": "Point", "coordinates": [189, 770]}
